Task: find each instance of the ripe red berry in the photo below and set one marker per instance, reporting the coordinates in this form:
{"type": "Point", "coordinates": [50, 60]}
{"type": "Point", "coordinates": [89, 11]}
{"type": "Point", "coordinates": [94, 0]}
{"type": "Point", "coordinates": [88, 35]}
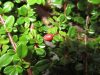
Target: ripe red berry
{"type": "Point", "coordinates": [48, 37]}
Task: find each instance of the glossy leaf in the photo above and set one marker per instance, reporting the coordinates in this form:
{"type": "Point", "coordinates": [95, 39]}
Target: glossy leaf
{"type": "Point", "coordinates": [13, 70]}
{"type": "Point", "coordinates": [22, 50]}
{"type": "Point", "coordinates": [57, 3]}
{"type": "Point", "coordinates": [5, 59]}
{"type": "Point", "coordinates": [17, 1]}
{"type": "Point", "coordinates": [94, 1]}
{"type": "Point", "coordinates": [20, 20]}
{"type": "Point", "coordinates": [23, 10]}
{"type": "Point", "coordinates": [4, 41]}
{"type": "Point", "coordinates": [72, 32]}
{"type": "Point", "coordinates": [9, 69]}
{"type": "Point", "coordinates": [79, 20]}
{"type": "Point", "coordinates": [62, 33]}
{"type": "Point", "coordinates": [82, 5]}
{"type": "Point", "coordinates": [58, 38]}
{"type": "Point", "coordinates": [15, 38]}
{"type": "Point", "coordinates": [4, 49]}
{"type": "Point", "coordinates": [52, 30]}
{"type": "Point", "coordinates": [41, 65]}
{"type": "Point", "coordinates": [62, 18]}
{"type": "Point", "coordinates": [69, 9]}
{"type": "Point", "coordinates": [8, 6]}
{"type": "Point", "coordinates": [40, 52]}
{"type": "Point", "coordinates": [2, 30]}
{"type": "Point", "coordinates": [23, 39]}
{"type": "Point", "coordinates": [39, 39]}
{"type": "Point", "coordinates": [1, 10]}
{"type": "Point", "coordinates": [31, 2]}
{"type": "Point", "coordinates": [9, 22]}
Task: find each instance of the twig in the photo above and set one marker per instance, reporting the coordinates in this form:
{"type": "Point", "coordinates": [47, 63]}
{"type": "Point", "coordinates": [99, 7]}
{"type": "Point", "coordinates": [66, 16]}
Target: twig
{"type": "Point", "coordinates": [31, 27]}
{"type": "Point", "coordinates": [85, 41]}
{"type": "Point", "coordinates": [9, 35]}
{"type": "Point", "coordinates": [11, 40]}
{"type": "Point", "coordinates": [29, 71]}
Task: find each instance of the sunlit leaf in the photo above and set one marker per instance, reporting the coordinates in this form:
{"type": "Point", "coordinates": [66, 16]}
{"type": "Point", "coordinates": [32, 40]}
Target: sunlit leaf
{"type": "Point", "coordinates": [94, 1]}
{"type": "Point", "coordinates": [22, 50]}
{"type": "Point", "coordinates": [5, 59]}
{"type": "Point", "coordinates": [8, 6]}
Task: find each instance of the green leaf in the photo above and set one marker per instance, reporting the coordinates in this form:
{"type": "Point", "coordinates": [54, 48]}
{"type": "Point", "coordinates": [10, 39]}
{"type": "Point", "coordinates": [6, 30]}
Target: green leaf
{"type": "Point", "coordinates": [2, 30]}
{"type": "Point", "coordinates": [27, 19]}
{"type": "Point", "coordinates": [5, 59]}
{"type": "Point", "coordinates": [62, 33]}
{"type": "Point", "coordinates": [95, 14]}
{"type": "Point", "coordinates": [17, 1]}
{"type": "Point", "coordinates": [20, 20]}
{"type": "Point", "coordinates": [23, 39]}
{"type": "Point", "coordinates": [13, 70]}
{"type": "Point", "coordinates": [40, 52]}
{"type": "Point", "coordinates": [19, 69]}
{"type": "Point", "coordinates": [22, 50]}
{"type": "Point", "coordinates": [8, 6]}
{"type": "Point", "coordinates": [79, 20]}
{"type": "Point", "coordinates": [72, 32]}
{"type": "Point", "coordinates": [1, 10]}
{"type": "Point", "coordinates": [4, 41]}
{"type": "Point", "coordinates": [9, 69]}
{"type": "Point", "coordinates": [43, 2]}
{"type": "Point", "coordinates": [16, 58]}
{"type": "Point", "coordinates": [62, 18]}
{"type": "Point", "coordinates": [58, 38]}
{"type": "Point", "coordinates": [25, 64]}
{"type": "Point", "coordinates": [9, 22]}
{"type": "Point", "coordinates": [94, 1]}
{"type": "Point", "coordinates": [4, 49]}
{"type": "Point", "coordinates": [31, 2]}
{"type": "Point", "coordinates": [53, 30]}
{"type": "Point", "coordinates": [34, 33]}
{"type": "Point", "coordinates": [30, 12]}
{"type": "Point", "coordinates": [11, 52]}
{"type": "Point", "coordinates": [14, 73]}
{"type": "Point", "coordinates": [41, 65]}
{"type": "Point", "coordinates": [69, 9]}
{"type": "Point", "coordinates": [39, 39]}
{"type": "Point", "coordinates": [15, 38]}
{"type": "Point", "coordinates": [39, 2]}
{"type": "Point", "coordinates": [57, 3]}
{"type": "Point", "coordinates": [23, 10]}
{"type": "Point", "coordinates": [82, 5]}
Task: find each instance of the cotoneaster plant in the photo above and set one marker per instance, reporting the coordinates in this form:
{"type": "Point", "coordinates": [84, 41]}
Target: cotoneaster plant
{"type": "Point", "coordinates": [49, 37]}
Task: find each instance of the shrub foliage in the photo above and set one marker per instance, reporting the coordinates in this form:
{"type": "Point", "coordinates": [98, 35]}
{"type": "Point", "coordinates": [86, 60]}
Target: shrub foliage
{"type": "Point", "coordinates": [71, 29]}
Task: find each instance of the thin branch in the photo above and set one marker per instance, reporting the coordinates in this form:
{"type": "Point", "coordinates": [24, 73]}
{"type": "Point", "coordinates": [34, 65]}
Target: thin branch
{"type": "Point", "coordinates": [9, 35]}
{"type": "Point", "coordinates": [29, 71]}
{"type": "Point", "coordinates": [85, 41]}
{"type": "Point", "coordinates": [11, 41]}
{"type": "Point", "coordinates": [31, 27]}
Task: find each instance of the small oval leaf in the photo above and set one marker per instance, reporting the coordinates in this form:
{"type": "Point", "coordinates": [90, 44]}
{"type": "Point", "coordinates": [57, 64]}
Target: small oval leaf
{"type": "Point", "coordinates": [9, 22]}
{"type": "Point", "coordinates": [22, 50]}
{"type": "Point", "coordinates": [94, 1]}
{"type": "Point", "coordinates": [5, 59]}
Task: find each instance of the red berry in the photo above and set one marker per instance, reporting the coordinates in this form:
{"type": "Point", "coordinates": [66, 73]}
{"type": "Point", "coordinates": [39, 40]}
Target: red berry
{"type": "Point", "coordinates": [48, 37]}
